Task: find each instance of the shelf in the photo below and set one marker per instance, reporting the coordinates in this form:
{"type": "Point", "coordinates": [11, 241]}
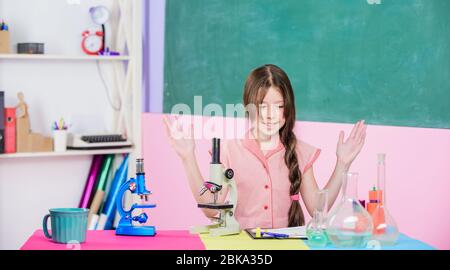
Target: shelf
{"type": "Point", "coordinates": [68, 153]}
{"type": "Point", "coordinates": [63, 57]}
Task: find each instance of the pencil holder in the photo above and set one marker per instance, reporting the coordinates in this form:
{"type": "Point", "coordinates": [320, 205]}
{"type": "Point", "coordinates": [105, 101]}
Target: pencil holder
{"type": "Point", "coordinates": [59, 140]}
{"type": "Point", "coordinates": [5, 42]}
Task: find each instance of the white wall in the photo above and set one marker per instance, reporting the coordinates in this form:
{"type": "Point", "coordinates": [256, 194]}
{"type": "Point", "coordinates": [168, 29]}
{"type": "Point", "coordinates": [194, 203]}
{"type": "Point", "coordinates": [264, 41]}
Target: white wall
{"type": "Point", "coordinates": [72, 89]}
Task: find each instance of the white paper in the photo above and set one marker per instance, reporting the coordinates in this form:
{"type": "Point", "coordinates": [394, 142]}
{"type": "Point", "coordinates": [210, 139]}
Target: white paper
{"type": "Point", "coordinates": [93, 223]}
{"type": "Point", "coordinates": [101, 222]}
{"type": "Point", "coordinates": [293, 232]}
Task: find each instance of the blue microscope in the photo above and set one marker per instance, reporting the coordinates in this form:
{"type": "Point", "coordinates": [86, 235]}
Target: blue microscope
{"type": "Point", "coordinates": [135, 186]}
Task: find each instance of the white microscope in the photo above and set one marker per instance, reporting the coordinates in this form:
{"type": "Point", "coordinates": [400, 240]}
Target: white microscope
{"type": "Point", "coordinates": [225, 223]}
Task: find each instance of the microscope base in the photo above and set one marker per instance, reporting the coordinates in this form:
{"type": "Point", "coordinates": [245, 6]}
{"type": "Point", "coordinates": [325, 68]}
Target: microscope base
{"type": "Point", "coordinates": [203, 229]}
{"type": "Point", "coordinates": [222, 231]}
{"type": "Point", "coordinates": [215, 230]}
{"type": "Point", "coordinates": [136, 230]}
{"type": "Point", "coordinates": [226, 225]}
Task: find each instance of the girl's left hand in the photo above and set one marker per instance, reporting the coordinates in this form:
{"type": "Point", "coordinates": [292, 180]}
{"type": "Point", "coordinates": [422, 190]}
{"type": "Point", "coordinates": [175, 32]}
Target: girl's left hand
{"type": "Point", "coordinates": [347, 151]}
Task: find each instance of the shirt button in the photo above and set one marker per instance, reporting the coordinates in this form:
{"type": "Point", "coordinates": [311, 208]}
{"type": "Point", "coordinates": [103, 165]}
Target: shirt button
{"type": "Point", "coordinates": [266, 186]}
{"type": "Point", "coordinates": [266, 207]}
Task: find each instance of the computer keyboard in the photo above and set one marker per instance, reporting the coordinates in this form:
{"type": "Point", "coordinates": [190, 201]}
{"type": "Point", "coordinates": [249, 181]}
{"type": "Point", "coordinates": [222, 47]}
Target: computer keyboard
{"type": "Point", "coordinates": [103, 138]}
{"type": "Point", "coordinates": [97, 141]}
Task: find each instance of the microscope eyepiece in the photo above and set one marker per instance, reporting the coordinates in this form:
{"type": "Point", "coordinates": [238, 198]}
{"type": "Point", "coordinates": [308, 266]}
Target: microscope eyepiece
{"type": "Point", "coordinates": [215, 151]}
{"type": "Point", "coordinates": [139, 165]}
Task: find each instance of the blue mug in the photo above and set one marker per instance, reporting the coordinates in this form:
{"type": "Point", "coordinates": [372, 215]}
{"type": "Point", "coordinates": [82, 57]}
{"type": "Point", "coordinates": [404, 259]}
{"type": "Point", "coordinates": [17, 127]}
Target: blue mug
{"type": "Point", "coordinates": [69, 225]}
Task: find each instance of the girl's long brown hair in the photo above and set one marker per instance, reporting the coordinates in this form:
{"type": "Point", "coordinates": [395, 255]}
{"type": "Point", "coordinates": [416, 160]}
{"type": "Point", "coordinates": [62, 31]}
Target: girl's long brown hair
{"type": "Point", "coordinates": [258, 83]}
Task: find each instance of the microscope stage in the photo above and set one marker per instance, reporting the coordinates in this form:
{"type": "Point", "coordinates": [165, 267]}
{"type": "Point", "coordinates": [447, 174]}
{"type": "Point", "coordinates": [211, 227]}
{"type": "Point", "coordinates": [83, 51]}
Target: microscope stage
{"type": "Point", "coordinates": [215, 206]}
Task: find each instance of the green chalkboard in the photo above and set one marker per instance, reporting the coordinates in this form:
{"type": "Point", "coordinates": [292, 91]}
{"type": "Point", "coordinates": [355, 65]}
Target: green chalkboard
{"type": "Point", "coordinates": [347, 59]}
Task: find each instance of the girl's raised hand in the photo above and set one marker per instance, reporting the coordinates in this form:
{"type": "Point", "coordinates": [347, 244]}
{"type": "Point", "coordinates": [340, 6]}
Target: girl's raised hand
{"type": "Point", "coordinates": [181, 137]}
{"type": "Point", "coordinates": [349, 149]}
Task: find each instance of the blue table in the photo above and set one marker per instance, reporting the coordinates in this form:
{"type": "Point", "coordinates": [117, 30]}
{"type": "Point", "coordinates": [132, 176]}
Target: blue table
{"type": "Point", "coordinates": [404, 243]}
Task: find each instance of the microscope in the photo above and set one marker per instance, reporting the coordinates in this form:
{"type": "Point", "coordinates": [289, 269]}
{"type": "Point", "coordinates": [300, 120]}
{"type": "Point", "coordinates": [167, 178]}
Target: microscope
{"type": "Point", "coordinates": [225, 223]}
{"type": "Point", "coordinates": [135, 186]}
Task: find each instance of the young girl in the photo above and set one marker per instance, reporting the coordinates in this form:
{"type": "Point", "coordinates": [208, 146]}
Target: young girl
{"type": "Point", "coordinates": [272, 168]}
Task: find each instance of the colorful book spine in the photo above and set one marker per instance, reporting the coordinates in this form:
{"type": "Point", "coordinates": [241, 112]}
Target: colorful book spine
{"type": "Point", "coordinates": [96, 203]}
{"type": "Point", "coordinates": [90, 182]}
{"type": "Point", "coordinates": [99, 195]}
{"type": "Point", "coordinates": [104, 173]}
{"type": "Point", "coordinates": [102, 176]}
{"type": "Point", "coordinates": [109, 208]}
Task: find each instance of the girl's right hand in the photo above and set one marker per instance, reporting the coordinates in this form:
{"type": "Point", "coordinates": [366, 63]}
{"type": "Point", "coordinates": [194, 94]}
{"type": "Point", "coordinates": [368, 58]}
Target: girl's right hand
{"type": "Point", "coordinates": [181, 139]}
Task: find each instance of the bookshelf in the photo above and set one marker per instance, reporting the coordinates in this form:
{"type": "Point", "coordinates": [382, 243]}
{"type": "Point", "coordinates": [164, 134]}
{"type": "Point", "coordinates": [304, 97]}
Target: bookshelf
{"type": "Point", "coordinates": [66, 82]}
{"type": "Point", "coordinates": [128, 89]}
{"type": "Point", "coordinates": [62, 57]}
{"type": "Point", "coordinates": [68, 153]}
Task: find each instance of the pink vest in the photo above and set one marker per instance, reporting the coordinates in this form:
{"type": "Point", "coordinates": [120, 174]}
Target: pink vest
{"type": "Point", "coordinates": [262, 180]}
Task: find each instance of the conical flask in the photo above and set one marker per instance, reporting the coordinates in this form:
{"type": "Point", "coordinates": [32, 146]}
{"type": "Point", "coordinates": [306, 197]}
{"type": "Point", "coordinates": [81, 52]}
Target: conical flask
{"type": "Point", "coordinates": [385, 228]}
{"type": "Point", "coordinates": [349, 225]}
{"type": "Point", "coordinates": [316, 227]}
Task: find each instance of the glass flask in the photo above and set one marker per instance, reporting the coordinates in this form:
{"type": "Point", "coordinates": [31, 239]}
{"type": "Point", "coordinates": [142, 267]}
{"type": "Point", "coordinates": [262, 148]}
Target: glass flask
{"type": "Point", "coordinates": [349, 225]}
{"type": "Point", "coordinates": [316, 227]}
{"type": "Point", "coordinates": [385, 228]}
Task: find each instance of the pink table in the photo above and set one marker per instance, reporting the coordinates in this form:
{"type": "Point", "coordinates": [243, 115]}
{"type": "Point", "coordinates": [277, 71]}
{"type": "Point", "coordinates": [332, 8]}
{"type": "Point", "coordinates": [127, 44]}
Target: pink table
{"type": "Point", "coordinates": [107, 240]}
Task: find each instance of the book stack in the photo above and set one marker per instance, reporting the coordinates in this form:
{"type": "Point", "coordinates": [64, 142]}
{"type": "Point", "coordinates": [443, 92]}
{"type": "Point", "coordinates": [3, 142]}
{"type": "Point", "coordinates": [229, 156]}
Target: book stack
{"type": "Point", "coordinates": [100, 194]}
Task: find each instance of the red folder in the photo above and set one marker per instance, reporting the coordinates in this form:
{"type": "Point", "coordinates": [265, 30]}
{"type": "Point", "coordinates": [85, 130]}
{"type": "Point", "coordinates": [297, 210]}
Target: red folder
{"type": "Point", "coordinates": [10, 130]}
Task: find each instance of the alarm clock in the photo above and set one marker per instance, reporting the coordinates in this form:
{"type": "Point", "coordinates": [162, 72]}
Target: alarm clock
{"type": "Point", "coordinates": [92, 42]}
